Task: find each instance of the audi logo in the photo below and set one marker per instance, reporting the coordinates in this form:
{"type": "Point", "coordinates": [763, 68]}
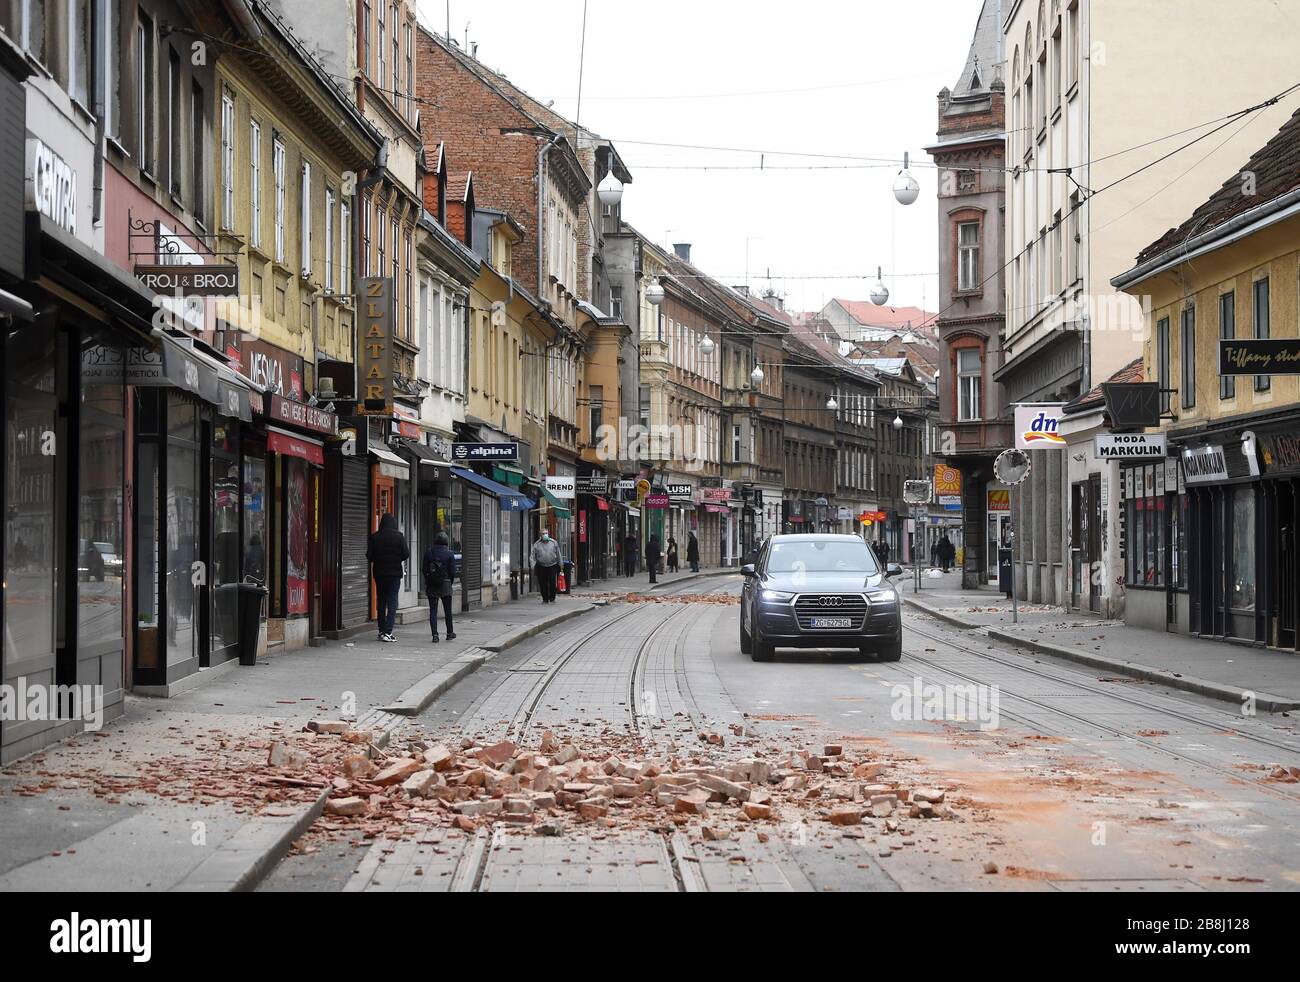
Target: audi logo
{"type": "Point", "coordinates": [830, 601]}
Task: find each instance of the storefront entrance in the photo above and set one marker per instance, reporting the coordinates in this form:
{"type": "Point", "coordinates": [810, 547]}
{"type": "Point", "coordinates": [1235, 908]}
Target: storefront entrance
{"type": "Point", "coordinates": [1085, 543]}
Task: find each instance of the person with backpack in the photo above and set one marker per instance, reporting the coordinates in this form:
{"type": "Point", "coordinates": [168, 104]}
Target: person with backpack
{"type": "Point", "coordinates": [439, 569]}
{"type": "Point", "coordinates": [652, 556]}
{"type": "Point", "coordinates": [693, 552]}
{"type": "Point", "coordinates": [673, 565]}
{"type": "Point", "coordinates": [388, 553]}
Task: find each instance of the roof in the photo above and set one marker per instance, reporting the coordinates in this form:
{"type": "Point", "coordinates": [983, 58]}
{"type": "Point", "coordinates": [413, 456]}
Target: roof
{"type": "Point", "coordinates": [867, 314]}
{"type": "Point", "coordinates": [890, 366]}
{"type": "Point", "coordinates": [1132, 372]}
{"type": "Point", "coordinates": [984, 60]}
{"type": "Point", "coordinates": [458, 186]}
{"type": "Point", "coordinates": [1276, 167]}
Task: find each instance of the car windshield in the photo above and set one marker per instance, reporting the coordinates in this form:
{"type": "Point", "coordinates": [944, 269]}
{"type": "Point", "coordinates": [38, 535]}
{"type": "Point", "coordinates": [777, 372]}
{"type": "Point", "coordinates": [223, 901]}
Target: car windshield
{"type": "Point", "coordinates": [830, 556]}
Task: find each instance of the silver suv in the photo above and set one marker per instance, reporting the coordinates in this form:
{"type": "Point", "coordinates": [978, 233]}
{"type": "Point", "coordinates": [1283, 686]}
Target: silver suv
{"type": "Point", "coordinates": [820, 591]}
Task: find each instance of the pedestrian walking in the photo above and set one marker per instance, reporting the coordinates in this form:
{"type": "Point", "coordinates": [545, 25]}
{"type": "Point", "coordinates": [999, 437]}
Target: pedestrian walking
{"type": "Point", "coordinates": [546, 562]}
{"type": "Point", "coordinates": [439, 569]}
{"type": "Point", "coordinates": [388, 553]}
{"type": "Point", "coordinates": [693, 552]}
{"type": "Point", "coordinates": [652, 556]}
{"type": "Point", "coordinates": [629, 555]}
{"type": "Point", "coordinates": [945, 551]}
{"type": "Point", "coordinates": [672, 555]}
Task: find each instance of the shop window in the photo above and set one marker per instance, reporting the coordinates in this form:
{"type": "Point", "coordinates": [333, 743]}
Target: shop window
{"type": "Point", "coordinates": [1241, 586]}
{"type": "Point", "coordinates": [296, 514]}
{"type": "Point", "coordinates": [255, 518]}
{"type": "Point", "coordinates": [1145, 534]}
{"type": "Point", "coordinates": [101, 548]}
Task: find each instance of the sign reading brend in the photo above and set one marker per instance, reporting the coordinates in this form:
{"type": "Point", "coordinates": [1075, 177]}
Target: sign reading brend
{"type": "Point", "coordinates": [1275, 356]}
{"type": "Point", "coordinates": [1130, 446]}
{"type": "Point", "coordinates": [561, 487]}
{"type": "Point", "coordinates": [220, 280]}
{"type": "Point", "coordinates": [508, 452]}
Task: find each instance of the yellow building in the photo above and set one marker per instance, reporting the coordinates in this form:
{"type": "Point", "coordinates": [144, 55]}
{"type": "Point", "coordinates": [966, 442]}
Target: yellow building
{"type": "Point", "coordinates": [1210, 529]}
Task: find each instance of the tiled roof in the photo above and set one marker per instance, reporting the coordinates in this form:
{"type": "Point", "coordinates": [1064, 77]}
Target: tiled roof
{"type": "Point", "coordinates": [868, 314]}
{"type": "Point", "coordinates": [1132, 372]}
{"type": "Point", "coordinates": [1276, 167]}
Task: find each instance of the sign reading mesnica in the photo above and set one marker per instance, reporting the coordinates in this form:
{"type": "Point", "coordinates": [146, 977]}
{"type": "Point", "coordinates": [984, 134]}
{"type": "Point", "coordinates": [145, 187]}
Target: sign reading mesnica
{"type": "Point", "coordinates": [376, 332]}
{"type": "Point", "coordinates": [1276, 356]}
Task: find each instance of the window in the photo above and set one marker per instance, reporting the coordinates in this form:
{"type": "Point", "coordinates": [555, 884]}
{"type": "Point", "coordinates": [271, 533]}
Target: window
{"type": "Point", "coordinates": [367, 65]}
{"type": "Point", "coordinates": [1057, 256]}
{"type": "Point", "coordinates": [329, 240]}
{"type": "Point", "coordinates": [277, 170]}
{"type": "Point", "coordinates": [144, 56]}
{"type": "Point", "coordinates": [113, 52]}
{"type": "Point", "coordinates": [34, 23]}
{"type": "Point", "coordinates": [380, 222]}
{"type": "Point", "coordinates": [597, 393]}
{"type": "Point", "coordinates": [198, 152]}
{"type": "Point", "coordinates": [1188, 353]}
{"type": "Point", "coordinates": [735, 443]}
{"type": "Point", "coordinates": [365, 236]}
{"type": "Point", "coordinates": [397, 60]}
{"type": "Point", "coordinates": [410, 279]}
{"type": "Point", "coordinates": [1162, 361]}
{"type": "Point", "coordinates": [379, 43]}
{"type": "Point", "coordinates": [173, 119]}
{"type": "Point", "coordinates": [1227, 331]}
{"type": "Point", "coordinates": [345, 249]}
{"type": "Point", "coordinates": [1262, 382]}
{"type": "Point", "coordinates": [255, 182]}
{"type": "Point", "coordinates": [305, 218]}
{"type": "Point", "coordinates": [81, 44]}
{"type": "Point", "coordinates": [616, 302]}
{"type": "Point", "coordinates": [968, 256]}
{"type": "Point", "coordinates": [1144, 524]}
{"type": "Point", "coordinates": [1074, 245]}
{"type": "Point", "coordinates": [410, 74]}
{"type": "Point", "coordinates": [969, 377]}
{"type": "Point", "coordinates": [227, 160]}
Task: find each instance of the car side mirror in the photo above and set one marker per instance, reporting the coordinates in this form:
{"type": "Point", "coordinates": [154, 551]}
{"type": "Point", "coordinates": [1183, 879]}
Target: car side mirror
{"type": "Point", "coordinates": [892, 570]}
{"type": "Point", "coordinates": [749, 570]}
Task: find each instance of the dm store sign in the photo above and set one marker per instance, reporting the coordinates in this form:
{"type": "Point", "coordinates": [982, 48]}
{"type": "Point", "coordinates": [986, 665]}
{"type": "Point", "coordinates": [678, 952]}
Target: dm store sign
{"type": "Point", "coordinates": [1038, 428]}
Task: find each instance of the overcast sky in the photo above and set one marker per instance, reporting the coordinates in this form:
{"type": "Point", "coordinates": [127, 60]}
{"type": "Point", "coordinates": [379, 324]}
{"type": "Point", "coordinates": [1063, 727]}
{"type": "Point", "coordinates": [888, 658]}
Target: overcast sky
{"type": "Point", "coordinates": [854, 78]}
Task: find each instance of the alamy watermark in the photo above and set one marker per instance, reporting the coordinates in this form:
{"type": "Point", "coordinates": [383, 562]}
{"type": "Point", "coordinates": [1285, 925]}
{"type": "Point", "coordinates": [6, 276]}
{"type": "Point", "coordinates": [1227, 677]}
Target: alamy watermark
{"type": "Point", "coordinates": [25, 703]}
{"type": "Point", "coordinates": [950, 703]}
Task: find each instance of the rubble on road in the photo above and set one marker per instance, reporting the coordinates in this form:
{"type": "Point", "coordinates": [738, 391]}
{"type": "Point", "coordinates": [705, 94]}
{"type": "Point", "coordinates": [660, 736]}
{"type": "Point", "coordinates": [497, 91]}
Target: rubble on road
{"type": "Point", "coordinates": [722, 599]}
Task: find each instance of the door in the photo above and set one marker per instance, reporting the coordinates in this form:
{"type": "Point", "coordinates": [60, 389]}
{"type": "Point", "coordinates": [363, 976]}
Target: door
{"type": "Point", "coordinates": [382, 495]}
{"type": "Point", "coordinates": [1094, 543]}
{"type": "Point", "coordinates": [998, 538]}
{"type": "Point", "coordinates": [1288, 563]}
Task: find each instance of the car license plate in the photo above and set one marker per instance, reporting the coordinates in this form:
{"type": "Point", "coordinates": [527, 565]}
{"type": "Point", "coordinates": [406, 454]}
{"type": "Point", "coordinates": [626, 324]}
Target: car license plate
{"type": "Point", "coordinates": [832, 622]}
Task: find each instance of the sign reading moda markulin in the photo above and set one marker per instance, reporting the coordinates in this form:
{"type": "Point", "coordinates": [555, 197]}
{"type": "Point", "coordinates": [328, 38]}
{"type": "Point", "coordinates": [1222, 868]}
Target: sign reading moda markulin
{"type": "Point", "coordinates": [1275, 356]}
{"type": "Point", "coordinates": [1130, 446]}
{"type": "Point", "coordinates": [508, 452]}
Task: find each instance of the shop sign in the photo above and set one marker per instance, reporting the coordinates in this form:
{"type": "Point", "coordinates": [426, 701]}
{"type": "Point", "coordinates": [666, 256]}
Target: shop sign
{"type": "Point", "coordinates": [562, 487]}
{"type": "Point", "coordinates": [408, 424]}
{"type": "Point", "coordinates": [680, 491]}
{"type": "Point", "coordinates": [508, 452]}
{"type": "Point", "coordinates": [947, 481]}
{"type": "Point", "coordinates": [302, 415]}
{"type": "Point", "coordinates": [582, 526]}
{"type": "Point", "coordinates": [1280, 452]}
{"type": "Point", "coordinates": [593, 484]}
{"type": "Point", "coordinates": [278, 371]}
{"type": "Point", "coordinates": [717, 494]}
{"type": "Point", "coordinates": [1130, 446]}
{"type": "Point", "coordinates": [1205, 465]}
{"type": "Point", "coordinates": [441, 446]}
{"type": "Point", "coordinates": [216, 280]}
{"type": "Point", "coordinates": [53, 185]}
{"type": "Point", "coordinates": [656, 502]}
{"type": "Point", "coordinates": [376, 332]}
{"type": "Point", "coordinates": [1267, 356]}
{"type": "Point", "coordinates": [845, 514]}
{"type": "Point", "coordinates": [999, 500]}
{"type": "Point", "coordinates": [1038, 428]}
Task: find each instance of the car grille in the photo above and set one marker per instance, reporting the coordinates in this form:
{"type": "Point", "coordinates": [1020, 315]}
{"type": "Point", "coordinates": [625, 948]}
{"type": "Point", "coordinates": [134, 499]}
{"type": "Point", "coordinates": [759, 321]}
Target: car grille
{"type": "Point", "coordinates": [852, 606]}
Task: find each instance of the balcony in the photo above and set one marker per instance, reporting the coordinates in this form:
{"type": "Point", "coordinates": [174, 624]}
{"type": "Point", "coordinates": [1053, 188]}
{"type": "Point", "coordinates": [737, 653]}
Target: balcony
{"type": "Point", "coordinates": [979, 437]}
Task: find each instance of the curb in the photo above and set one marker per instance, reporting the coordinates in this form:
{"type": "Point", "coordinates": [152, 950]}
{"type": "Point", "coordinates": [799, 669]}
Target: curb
{"type": "Point", "coordinates": [242, 863]}
{"type": "Point", "coordinates": [420, 695]}
{"type": "Point", "coordinates": [934, 612]}
{"type": "Point", "coordinates": [1187, 683]}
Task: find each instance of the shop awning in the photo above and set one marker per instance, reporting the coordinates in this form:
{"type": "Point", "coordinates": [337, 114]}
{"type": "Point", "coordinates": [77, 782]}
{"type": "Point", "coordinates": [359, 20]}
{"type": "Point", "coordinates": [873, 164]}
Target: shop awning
{"type": "Point", "coordinates": [509, 498]}
{"type": "Point", "coordinates": [560, 508]}
{"type": "Point", "coordinates": [293, 445]}
{"type": "Point", "coordinates": [602, 504]}
{"type": "Point", "coordinates": [510, 476]}
{"type": "Point", "coordinates": [423, 455]}
{"type": "Point", "coordinates": [390, 465]}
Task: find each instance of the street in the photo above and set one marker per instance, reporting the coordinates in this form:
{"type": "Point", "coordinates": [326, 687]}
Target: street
{"type": "Point", "coordinates": [1078, 783]}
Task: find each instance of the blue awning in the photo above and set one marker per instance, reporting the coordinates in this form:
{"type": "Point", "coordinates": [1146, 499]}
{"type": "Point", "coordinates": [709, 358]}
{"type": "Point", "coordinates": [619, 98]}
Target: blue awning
{"type": "Point", "coordinates": [510, 499]}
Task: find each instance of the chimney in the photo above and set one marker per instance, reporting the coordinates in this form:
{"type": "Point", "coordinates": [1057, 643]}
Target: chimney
{"type": "Point", "coordinates": [683, 251]}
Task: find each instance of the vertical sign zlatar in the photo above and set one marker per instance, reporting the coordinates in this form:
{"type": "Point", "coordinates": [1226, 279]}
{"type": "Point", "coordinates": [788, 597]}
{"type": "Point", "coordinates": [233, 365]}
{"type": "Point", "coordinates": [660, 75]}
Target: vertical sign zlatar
{"type": "Point", "coordinates": [376, 330]}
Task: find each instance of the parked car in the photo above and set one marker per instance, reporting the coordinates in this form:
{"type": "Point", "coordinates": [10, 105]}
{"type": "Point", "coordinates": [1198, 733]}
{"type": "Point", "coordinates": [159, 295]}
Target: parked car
{"type": "Point", "coordinates": [820, 591]}
{"type": "Point", "coordinates": [95, 560]}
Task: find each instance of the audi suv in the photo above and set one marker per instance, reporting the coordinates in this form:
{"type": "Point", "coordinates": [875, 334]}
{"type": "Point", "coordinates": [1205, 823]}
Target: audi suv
{"type": "Point", "coordinates": [820, 591]}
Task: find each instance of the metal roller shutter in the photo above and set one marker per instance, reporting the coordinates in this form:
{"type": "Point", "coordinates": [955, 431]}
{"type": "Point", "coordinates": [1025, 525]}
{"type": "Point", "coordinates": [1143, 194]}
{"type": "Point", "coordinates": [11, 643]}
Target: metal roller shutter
{"type": "Point", "coordinates": [472, 552]}
{"type": "Point", "coordinates": [354, 577]}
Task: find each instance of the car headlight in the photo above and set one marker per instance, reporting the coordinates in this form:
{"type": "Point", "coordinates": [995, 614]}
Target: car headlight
{"type": "Point", "coordinates": [776, 596]}
{"type": "Point", "coordinates": [882, 597]}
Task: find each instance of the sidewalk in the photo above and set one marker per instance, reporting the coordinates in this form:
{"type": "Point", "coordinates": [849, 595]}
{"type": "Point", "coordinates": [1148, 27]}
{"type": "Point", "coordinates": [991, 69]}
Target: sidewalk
{"type": "Point", "coordinates": [641, 582]}
{"type": "Point", "coordinates": [1229, 672]}
{"type": "Point", "coordinates": [177, 794]}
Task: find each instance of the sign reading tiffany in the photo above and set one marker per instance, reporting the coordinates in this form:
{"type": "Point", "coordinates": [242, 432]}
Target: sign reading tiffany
{"type": "Point", "coordinates": [1249, 356]}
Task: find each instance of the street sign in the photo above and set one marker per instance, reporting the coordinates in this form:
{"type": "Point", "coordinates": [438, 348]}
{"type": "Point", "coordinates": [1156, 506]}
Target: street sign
{"type": "Point", "coordinates": [917, 492]}
{"type": "Point", "coordinates": [508, 452]}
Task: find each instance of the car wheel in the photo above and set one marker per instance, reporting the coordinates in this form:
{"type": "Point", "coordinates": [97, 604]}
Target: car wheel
{"type": "Point", "coordinates": [890, 652]}
{"type": "Point", "coordinates": [760, 649]}
{"type": "Point", "coordinates": [746, 642]}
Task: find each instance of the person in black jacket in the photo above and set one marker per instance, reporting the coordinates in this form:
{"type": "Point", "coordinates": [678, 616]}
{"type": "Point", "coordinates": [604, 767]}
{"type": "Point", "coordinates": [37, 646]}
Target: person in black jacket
{"type": "Point", "coordinates": [652, 554]}
{"type": "Point", "coordinates": [387, 553]}
{"type": "Point", "coordinates": [693, 553]}
{"type": "Point", "coordinates": [946, 551]}
{"type": "Point", "coordinates": [439, 570]}
{"type": "Point", "coordinates": [629, 555]}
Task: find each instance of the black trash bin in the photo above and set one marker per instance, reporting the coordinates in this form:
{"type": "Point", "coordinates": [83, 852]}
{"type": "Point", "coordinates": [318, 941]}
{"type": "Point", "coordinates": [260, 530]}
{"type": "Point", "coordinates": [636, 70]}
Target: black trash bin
{"type": "Point", "coordinates": [251, 596]}
{"type": "Point", "coordinates": [1006, 575]}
